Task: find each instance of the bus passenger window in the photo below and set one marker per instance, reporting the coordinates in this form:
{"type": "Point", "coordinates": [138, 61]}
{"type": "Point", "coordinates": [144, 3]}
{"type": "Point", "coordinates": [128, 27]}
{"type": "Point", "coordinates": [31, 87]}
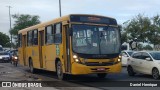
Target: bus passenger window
{"type": "Point", "coordinates": [19, 40]}
{"type": "Point", "coordinates": [35, 37]}
{"type": "Point", "coordinates": [49, 35]}
{"type": "Point", "coordinates": [29, 41]}
{"type": "Point", "coordinates": [58, 33]}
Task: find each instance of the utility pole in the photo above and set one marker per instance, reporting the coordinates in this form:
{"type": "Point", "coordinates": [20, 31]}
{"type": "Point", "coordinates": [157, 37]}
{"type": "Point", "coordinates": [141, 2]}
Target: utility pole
{"type": "Point", "coordinates": [60, 8]}
{"type": "Point", "coordinates": [10, 24]}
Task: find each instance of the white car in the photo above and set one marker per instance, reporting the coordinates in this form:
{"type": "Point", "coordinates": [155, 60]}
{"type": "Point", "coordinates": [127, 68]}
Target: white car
{"type": "Point", "coordinates": [145, 62]}
{"type": "Point", "coordinates": [4, 57]}
{"type": "Point", "coordinates": [125, 55]}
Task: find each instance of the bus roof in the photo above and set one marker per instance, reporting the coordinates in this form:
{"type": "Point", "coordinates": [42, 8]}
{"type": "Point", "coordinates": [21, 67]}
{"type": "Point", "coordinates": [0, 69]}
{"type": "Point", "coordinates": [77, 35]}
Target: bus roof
{"type": "Point", "coordinates": [64, 18]}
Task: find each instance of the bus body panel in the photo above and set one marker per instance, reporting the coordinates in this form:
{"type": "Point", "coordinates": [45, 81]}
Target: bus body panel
{"type": "Point", "coordinates": [49, 57]}
{"type": "Point", "coordinates": [33, 54]}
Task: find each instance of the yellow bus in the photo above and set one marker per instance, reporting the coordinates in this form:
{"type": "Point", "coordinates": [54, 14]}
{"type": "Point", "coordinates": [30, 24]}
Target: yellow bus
{"type": "Point", "coordinates": [75, 44]}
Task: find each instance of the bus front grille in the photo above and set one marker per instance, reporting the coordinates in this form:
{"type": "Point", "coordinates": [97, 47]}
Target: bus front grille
{"type": "Point", "coordinates": [99, 64]}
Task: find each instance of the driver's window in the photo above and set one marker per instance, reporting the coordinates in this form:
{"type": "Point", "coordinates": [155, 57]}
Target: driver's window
{"type": "Point", "coordinates": [83, 37]}
{"type": "Point", "coordinates": [145, 55]}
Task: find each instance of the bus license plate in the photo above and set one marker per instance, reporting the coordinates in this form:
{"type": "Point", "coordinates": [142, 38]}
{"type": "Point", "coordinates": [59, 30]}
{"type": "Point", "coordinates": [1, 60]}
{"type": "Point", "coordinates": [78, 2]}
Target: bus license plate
{"type": "Point", "coordinates": [101, 69]}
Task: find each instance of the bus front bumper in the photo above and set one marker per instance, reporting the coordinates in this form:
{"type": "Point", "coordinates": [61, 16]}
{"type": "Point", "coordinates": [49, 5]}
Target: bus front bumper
{"type": "Point", "coordinates": [80, 69]}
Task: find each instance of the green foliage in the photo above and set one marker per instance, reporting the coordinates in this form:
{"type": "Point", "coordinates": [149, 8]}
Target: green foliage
{"type": "Point", "coordinates": [23, 21]}
{"type": "Point", "coordinates": [4, 40]}
{"type": "Point", "coordinates": [143, 28]}
{"type": "Point", "coordinates": [123, 34]}
{"type": "Point", "coordinates": [154, 33]}
{"type": "Point", "coordinates": [140, 47]}
{"type": "Point", "coordinates": [147, 47]}
{"type": "Point", "coordinates": [136, 27]}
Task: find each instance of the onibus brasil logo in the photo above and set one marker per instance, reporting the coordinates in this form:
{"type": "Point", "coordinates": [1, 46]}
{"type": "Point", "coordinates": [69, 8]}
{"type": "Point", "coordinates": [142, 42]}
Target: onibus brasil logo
{"type": "Point", "coordinates": [21, 84]}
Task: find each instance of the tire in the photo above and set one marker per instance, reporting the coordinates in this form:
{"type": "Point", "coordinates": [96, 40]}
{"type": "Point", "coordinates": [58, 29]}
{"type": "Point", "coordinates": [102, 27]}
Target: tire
{"type": "Point", "coordinates": [101, 75]}
{"type": "Point", "coordinates": [59, 71]}
{"type": "Point", "coordinates": [32, 70]}
{"type": "Point", "coordinates": [11, 62]}
{"type": "Point", "coordinates": [130, 71]}
{"type": "Point", "coordinates": [155, 73]}
{"type": "Point", "coordinates": [15, 63]}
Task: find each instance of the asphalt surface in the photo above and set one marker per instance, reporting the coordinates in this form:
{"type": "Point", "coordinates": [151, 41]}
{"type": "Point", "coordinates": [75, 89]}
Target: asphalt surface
{"type": "Point", "coordinates": [83, 82]}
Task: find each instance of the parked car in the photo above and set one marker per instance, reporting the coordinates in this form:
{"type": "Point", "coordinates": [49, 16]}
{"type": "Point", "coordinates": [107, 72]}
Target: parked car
{"type": "Point", "coordinates": [145, 62]}
{"type": "Point", "coordinates": [4, 57]}
{"type": "Point", "coordinates": [125, 55]}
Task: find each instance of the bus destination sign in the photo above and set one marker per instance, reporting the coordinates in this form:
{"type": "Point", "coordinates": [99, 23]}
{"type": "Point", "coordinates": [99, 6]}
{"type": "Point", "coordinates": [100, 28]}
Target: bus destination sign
{"type": "Point", "coordinates": [92, 19]}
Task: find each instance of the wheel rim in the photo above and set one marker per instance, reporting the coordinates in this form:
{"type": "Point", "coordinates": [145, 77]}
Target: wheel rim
{"type": "Point", "coordinates": [155, 73]}
{"type": "Point", "coordinates": [130, 70]}
{"type": "Point", "coordinates": [59, 70]}
{"type": "Point", "coordinates": [31, 67]}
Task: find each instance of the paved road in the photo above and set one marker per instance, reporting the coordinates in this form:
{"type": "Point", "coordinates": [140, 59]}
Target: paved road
{"type": "Point", "coordinates": [84, 81]}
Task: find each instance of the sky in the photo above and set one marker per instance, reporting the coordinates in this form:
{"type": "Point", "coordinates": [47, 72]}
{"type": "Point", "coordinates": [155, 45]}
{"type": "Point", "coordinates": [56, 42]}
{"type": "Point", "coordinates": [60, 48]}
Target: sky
{"type": "Point", "coordinates": [122, 10]}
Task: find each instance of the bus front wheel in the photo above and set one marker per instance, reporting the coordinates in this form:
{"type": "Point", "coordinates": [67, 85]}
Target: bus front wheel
{"type": "Point", "coordinates": [59, 71]}
{"type": "Point", "coordinates": [101, 75]}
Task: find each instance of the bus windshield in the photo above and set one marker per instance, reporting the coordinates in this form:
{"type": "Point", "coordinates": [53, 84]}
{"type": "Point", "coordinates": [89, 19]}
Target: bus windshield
{"type": "Point", "coordinates": [95, 39]}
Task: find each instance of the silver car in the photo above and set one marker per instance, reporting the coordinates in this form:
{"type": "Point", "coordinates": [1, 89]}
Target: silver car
{"type": "Point", "coordinates": [145, 62]}
{"type": "Point", "coordinates": [125, 55]}
{"type": "Point", "coordinates": [4, 57]}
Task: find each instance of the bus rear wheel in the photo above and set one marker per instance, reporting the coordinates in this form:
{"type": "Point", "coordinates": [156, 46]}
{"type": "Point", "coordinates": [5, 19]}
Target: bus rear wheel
{"type": "Point", "coordinates": [32, 70]}
{"type": "Point", "coordinates": [59, 71]}
{"type": "Point", "coordinates": [101, 75]}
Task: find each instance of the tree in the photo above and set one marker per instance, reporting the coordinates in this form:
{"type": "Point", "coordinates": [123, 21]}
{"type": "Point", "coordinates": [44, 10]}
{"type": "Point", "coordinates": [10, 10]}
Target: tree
{"type": "Point", "coordinates": [23, 21]}
{"type": "Point", "coordinates": [154, 33]}
{"type": "Point", "coordinates": [147, 47]}
{"type": "Point", "coordinates": [137, 28]}
{"type": "Point", "coordinates": [4, 40]}
{"type": "Point", "coordinates": [140, 47]}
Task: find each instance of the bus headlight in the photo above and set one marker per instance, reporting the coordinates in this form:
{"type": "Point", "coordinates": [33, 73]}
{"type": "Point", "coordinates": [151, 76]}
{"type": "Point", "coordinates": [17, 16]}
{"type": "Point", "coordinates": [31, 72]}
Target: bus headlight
{"type": "Point", "coordinates": [77, 60]}
{"type": "Point", "coordinates": [15, 57]}
{"type": "Point", "coordinates": [75, 56]}
{"type": "Point", "coordinates": [119, 60]}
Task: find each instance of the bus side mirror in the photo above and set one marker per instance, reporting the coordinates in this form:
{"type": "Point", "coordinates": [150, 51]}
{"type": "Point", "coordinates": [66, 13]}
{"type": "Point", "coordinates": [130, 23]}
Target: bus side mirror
{"type": "Point", "coordinates": [70, 32]}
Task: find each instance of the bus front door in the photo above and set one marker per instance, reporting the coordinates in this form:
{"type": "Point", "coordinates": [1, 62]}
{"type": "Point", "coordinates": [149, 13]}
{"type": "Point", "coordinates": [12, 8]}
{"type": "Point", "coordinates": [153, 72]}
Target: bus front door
{"type": "Point", "coordinates": [66, 54]}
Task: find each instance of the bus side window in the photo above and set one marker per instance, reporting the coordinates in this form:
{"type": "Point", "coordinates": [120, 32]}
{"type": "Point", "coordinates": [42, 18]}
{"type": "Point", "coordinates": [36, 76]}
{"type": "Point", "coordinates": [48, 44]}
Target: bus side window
{"type": "Point", "coordinates": [49, 34]}
{"type": "Point", "coordinates": [19, 40]}
{"type": "Point", "coordinates": [58, 33]}
{"type": "Point", "coordinates": [35, 37]}
{"type": "Point", "coordinates": [29, 38]}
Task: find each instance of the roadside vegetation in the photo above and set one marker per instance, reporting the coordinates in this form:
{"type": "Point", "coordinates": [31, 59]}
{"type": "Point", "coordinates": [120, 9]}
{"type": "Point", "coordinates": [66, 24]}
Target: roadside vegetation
{"type": "Point", "coordinates": [145, 29]}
